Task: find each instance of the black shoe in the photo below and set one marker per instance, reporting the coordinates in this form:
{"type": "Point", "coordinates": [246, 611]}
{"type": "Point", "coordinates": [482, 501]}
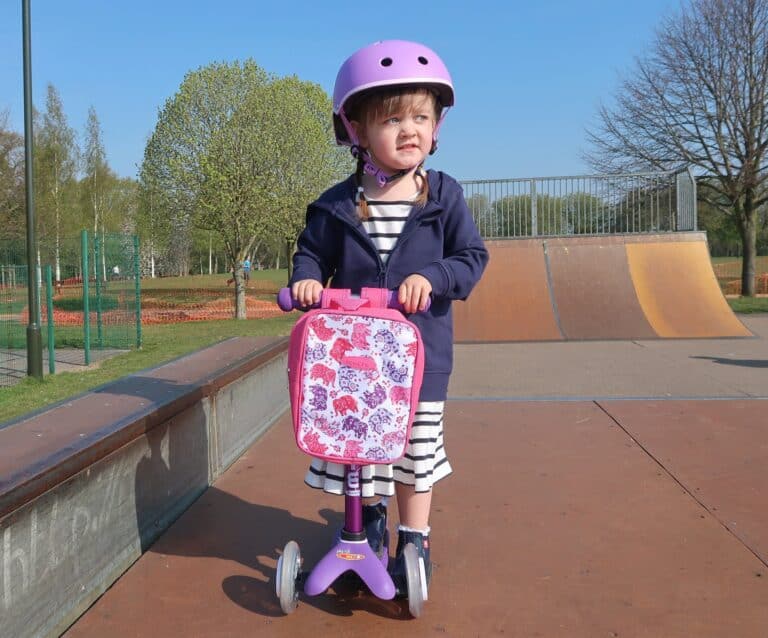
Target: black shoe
{"type": "Point", "coordinates": [375, 524]}
{"type": "Point", "coordinates": [398, 568]}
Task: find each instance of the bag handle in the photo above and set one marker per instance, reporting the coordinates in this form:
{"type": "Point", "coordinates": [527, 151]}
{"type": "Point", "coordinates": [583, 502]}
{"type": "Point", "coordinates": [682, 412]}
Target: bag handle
{"type": "Point", "coordinates": [342, 298]}
{"type": "Point", "coordinates": [378, 297]}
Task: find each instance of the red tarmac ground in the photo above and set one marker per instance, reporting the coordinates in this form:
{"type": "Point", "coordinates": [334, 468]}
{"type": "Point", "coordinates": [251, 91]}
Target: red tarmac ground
{"type": "Point", "coordinates": [573, 510]}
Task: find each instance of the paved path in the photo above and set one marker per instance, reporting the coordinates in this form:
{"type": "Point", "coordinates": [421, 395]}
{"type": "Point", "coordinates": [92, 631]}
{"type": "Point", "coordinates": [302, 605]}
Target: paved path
{"type": "Point", "coordinates": [13, 363]}
{"type": "Point", "coordinates": [659, 368]}
{"type": "Point", "coordinates": [595, 515]}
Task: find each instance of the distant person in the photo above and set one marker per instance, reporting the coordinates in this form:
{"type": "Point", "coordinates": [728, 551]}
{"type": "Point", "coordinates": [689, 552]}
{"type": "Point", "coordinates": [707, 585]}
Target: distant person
{"type": "Point", "coordinates": [247, 269]}
{"type": "Point", "coordinates": [115, 272]}
{"type": "Point", "coordinates": [394, 224]}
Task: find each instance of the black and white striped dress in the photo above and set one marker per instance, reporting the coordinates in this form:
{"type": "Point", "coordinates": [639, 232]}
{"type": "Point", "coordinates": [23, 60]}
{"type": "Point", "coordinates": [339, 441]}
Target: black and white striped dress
{"type": "Point", "coordinates": [424, 462]}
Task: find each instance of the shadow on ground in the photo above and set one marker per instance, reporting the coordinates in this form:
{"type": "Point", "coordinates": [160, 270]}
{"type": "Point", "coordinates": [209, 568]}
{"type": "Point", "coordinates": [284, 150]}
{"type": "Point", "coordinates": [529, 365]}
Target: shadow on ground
{"type": "Point", "coordinates": [747, 363]}
{"type": "Point", "coordinates": [229, 528]}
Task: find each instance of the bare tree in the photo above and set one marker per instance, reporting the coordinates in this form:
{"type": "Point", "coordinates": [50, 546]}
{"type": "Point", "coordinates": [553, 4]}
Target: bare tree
{"type": "Point", "coordinates": [700, 97]}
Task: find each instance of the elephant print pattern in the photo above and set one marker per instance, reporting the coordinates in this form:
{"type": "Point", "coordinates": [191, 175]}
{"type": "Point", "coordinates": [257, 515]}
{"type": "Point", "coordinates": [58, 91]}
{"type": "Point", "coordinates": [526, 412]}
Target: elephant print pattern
{"type": "Point", "coordinates": [357, 398]}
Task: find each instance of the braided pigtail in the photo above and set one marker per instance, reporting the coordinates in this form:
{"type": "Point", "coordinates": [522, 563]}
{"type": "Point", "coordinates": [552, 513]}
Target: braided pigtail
{"type": "Point", "coordinates": [360, 200]}
{"type": "Point", "coordinates": [423, 196]}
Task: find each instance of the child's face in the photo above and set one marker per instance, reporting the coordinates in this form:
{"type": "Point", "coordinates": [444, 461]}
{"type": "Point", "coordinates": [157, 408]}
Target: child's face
{"type": "Point", "coordinates": [401, 137]}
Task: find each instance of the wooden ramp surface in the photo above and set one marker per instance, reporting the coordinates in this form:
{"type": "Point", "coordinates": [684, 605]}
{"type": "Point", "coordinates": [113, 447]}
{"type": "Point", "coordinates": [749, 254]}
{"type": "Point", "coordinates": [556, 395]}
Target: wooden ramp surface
{"type": "Point", "coordinates": [601, 287]}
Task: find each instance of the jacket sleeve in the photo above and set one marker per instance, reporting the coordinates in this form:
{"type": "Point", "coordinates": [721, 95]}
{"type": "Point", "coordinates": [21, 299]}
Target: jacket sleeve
{"type": "Point", "coordinates": [316, 248]}
{"type": "Point", "coordinates": [464, 254]}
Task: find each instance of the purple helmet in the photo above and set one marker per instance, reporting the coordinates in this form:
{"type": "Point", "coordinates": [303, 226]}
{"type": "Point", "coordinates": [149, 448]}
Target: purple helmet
{"type": "Point", "coordinates": [388, 63]}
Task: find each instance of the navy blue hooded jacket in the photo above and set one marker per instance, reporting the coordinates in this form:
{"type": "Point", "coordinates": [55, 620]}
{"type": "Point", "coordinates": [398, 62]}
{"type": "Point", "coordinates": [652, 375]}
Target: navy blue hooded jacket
{"type": "Point", "coordinates": [439, 241]}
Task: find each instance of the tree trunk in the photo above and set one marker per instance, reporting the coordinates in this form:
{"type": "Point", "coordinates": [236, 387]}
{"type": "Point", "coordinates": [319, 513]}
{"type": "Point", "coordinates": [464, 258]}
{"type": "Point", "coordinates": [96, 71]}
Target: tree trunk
{"type": "Point", "coordinates": [240, 310]}
{"type": "Point", "coordinates": [57, 256]}
{"type": "Point", "coordinates": [58, 260]}
{"type": "Point", "coordinates": [39, 273]}
{"type": "Point", "coordinates": [748, 228]}
{"type": "Point", "coordinates": [103, 255]}
{"type": "Point", "coordinates": [95, 237]}
{"type": "Point", "coordinates": [210, 253]}
{"type": "Point", "coordinates": [289, 251]}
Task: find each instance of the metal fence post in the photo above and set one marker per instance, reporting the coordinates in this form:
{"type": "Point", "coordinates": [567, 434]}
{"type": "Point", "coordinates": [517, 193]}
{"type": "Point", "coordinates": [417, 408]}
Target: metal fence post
{"type": "Point", "coordinates": [34, 339]}
{"type": "Point", "coordinates": [49, 308]}
{"type": "Point", "coordinates": [695, 201]}
{"type": "Point", "coordinates": [86, 308]}
{"type": "Point", "coordinates": [137, 281]}
{"type": "Point", "coordinates": [534, 210]}
{"type": "Point", "coordinates": [97, 248]}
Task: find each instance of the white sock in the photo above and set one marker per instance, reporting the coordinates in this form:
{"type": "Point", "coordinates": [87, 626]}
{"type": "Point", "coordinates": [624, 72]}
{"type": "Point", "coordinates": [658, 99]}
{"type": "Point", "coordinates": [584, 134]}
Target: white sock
{"type": "Point", "coordinates": [383, 501]}
{"type": "Point", "coordinates": [423, 532]}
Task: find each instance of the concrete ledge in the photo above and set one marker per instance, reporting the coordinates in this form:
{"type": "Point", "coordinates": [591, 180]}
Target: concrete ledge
{"type": "Point", "coordinates": [88, 485]}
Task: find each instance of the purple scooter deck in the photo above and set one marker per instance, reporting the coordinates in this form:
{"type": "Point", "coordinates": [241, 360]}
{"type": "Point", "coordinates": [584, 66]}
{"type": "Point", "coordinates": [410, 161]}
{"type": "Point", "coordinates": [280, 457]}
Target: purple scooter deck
{"type": "Point", "coordinates": [358, 557]}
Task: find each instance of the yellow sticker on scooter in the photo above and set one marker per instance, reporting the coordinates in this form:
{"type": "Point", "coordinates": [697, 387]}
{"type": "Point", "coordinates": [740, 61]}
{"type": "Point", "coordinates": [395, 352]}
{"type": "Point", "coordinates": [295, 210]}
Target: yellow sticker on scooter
{"type": "Point", "coordinates": [346, 555]}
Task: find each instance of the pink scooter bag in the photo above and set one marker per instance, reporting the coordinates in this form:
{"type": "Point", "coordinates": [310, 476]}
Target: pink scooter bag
{"type": "Point", "coordinates": [355, 367]}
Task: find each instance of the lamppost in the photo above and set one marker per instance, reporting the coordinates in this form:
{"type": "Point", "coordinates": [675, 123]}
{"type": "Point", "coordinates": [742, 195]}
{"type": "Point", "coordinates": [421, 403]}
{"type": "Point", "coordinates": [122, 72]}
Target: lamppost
{"type": "Point", "coordinates": [34, 338]}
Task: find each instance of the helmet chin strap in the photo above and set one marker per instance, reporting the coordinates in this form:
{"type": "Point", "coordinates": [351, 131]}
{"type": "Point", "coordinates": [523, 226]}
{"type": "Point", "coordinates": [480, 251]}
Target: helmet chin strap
{"type": "Point", "coordinates": [370, 167]}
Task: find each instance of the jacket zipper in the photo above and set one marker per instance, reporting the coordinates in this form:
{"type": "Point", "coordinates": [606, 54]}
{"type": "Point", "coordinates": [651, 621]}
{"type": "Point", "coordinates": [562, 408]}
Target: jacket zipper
{"type": "Point", "coordinates": [410, 226]}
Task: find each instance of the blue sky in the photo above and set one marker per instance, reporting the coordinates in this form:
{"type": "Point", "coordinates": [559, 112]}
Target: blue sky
{"type": "Point", "coordinates": [529, 77]}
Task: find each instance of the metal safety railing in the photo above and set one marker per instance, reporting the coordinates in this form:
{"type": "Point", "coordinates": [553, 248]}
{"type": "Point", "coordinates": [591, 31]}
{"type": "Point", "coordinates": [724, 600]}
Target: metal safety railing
{"type": "Point", "coordinates": [583, 205]}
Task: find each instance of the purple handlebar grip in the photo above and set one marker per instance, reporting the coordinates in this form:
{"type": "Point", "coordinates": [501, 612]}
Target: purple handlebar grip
{"type": "Point", "coordinates": [285, 300]}
{"type": "Point", "coordinates": [287, 303]}
{"type": "Point", "coordinates": [393, 303]}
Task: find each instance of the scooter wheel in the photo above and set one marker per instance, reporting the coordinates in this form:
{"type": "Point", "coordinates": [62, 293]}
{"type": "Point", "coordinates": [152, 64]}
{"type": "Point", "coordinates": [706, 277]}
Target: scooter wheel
{"type": "Point", "coordinates": [416, 580]}
{"type": "Point", "coordinates": [287, 573]}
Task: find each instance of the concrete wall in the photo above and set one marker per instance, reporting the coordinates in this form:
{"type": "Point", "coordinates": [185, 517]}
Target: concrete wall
{"type": "Point", "coordinates": [62, 550]}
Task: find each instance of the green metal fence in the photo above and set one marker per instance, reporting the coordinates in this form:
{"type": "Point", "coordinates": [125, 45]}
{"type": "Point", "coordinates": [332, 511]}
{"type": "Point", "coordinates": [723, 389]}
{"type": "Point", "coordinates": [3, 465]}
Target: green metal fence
{"type": "Point", "coordinates": [83, 319]}
{"type": "Point", "coordinates": [13, 304]}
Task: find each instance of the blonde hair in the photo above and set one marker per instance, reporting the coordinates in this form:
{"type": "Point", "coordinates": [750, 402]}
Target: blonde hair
{"type": "Point", "coordinates": [376, 104]}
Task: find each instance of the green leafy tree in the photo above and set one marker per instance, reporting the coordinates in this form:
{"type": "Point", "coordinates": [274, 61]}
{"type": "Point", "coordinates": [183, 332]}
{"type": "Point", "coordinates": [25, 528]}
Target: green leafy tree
{"type": "Point", "coordinates": [56, 157]}
{"type": "Point", "coordinates": [272, 157]}
{"type": "Point", "coordinates": [480, 208]}
{"type": "Point", "coordinates": [152, 223]}
{"type": "Point", "coordinates": [310, 159]}
{"type": "Point", "coordinates": [97, 185]}
{"type": "Point", "coordinates": [206, 100]}
{"type": "Point", "coordinates": [11, 181]}
{"type": "Point", "coordinates": [700, 97]}
{"type": "Point", "coordinates": [511, 216]}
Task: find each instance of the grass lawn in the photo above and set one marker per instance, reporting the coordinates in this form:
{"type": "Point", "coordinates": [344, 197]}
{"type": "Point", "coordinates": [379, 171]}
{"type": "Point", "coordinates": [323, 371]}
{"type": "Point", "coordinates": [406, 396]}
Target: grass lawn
{"type": "Point", "coordinates": [161, 343]}
{"type": "Point", "coordinates": [267, 280]}
{"type": "Point", "coordinates": [748, 304]}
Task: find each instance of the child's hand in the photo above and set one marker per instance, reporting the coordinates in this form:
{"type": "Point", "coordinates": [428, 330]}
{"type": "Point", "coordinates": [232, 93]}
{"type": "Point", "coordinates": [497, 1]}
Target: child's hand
{"type": "Point", "coordinates": [307, 291]}
{"type": "Point", "coordinates": [414, 293]}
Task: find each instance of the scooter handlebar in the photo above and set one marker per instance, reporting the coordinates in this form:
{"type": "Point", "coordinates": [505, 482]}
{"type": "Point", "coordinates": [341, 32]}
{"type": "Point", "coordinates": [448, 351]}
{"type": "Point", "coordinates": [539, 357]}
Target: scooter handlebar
{"type": "Point", "coordinates": [287, 303]}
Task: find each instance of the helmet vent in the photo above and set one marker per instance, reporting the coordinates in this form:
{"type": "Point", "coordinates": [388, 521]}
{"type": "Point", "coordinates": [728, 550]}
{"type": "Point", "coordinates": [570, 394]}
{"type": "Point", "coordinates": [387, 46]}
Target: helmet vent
{"type": "Point", "coordinates": [423, 60]}
{"type": "Point", "coordinates": [386, 62]}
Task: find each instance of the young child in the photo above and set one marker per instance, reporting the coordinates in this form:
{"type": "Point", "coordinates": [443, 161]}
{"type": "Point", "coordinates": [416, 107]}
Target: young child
{"type": "Point", "coordinates": [394, 225]}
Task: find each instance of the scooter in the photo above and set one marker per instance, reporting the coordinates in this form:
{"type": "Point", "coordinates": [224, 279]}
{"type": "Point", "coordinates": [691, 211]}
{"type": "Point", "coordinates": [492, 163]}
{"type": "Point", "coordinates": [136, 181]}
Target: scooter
{"type": "Point", "coordinates": [350, 550]}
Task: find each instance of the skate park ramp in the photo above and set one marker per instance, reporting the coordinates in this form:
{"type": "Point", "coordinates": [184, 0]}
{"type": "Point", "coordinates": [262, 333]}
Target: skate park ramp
{"type": "Point", "coordinates": [597, 287]}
